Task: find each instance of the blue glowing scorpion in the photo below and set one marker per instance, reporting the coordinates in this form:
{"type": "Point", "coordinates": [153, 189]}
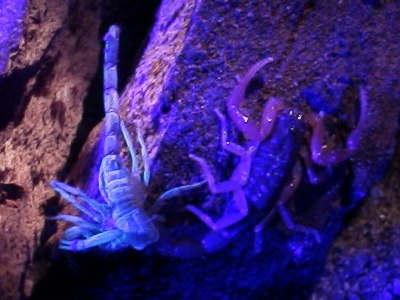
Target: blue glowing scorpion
{"type": "Point", "coordinates": [120, 220]}
{"type": "Point", "coordinates": [269, 168]}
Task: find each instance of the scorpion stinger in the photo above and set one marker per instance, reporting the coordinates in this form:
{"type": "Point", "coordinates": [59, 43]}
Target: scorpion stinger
{"type": "Point", "coordinates": [121, 221]}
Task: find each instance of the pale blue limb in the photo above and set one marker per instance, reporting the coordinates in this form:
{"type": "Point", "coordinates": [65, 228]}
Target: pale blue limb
{"type": "Point", "coordinates": [145, 156]}
{"type": "Point", "coordinates": [75, 220]}
{"type": "Point", "coordinates": [70, 194]}
{"type": "Point", "coordinates": [131, 149]}
{"type": "Point", "coordinates": [174, 192]}
{"type": "Point", "coordinates": [75, 232]}
{"type": "Point", "coordinates": [96, 240]}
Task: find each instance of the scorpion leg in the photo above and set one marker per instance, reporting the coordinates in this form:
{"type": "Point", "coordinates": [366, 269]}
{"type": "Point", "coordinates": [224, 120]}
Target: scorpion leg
{"type": "Point", "coordinates": [174, 192]}
{"type": "Point", "coordinates": [145, 156]}
{"type": "Point", "coordinates": [131, 149]}
{"type": "Point", "coordinates": [218, 239]}
{"type": "Point", "coordinates": [319, 153]}
{"type": "Point", "coordinates": [251, 130]}
{"type": "Point", "coordinates": [287, 192]}
{"type": "Point", "coordinates": [258, 241]}
{"type": "Point", "coordinates": [70, 194]}
{"type": "Point", "coordinates": [354, 138]}
{"type": "Point", "coordinates": [234, 212]}
{"type": "Point", "coordinates": [146, 174]}
{"type": "Point", "coordinates": [230, 147]}
{"type": "Point", "coordinates": [75, 232]}
{"type": "Point", "coordinates": [311, 173]}
{"type": "Point", "coordinates": [234, 183]}
{"type": "Point", "coordinates": [315, 173]}
{"type": "Point", "coordinates": [75, 220]}
{"type": "Point", "coordinates": [93, 241]}
{"type": "Point", "coordinates": [238, 208]}
{"type": "Point", "coordinates": [269, 115]}
{"type": "Point", "coordinates": [240, 175]}
{"type": "Point", "coordinates": [290, 224]}
{"type": "Point", "coordinates": [233, 147]}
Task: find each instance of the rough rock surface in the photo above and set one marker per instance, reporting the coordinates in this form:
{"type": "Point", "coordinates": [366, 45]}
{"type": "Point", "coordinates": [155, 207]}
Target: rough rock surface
{"type": "Point", "coordinates": [42, 92]}
{"type": "Point", "coordinates": [364, 261]}
{"type": "Point", "coordinates": [188, 69]}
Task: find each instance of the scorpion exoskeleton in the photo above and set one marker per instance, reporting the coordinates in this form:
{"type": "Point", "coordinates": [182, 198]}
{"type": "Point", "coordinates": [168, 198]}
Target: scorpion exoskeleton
{"type": "Point", "coordinates": [120, 220]}
{"type": "Point", "coordinates": [269, 170]}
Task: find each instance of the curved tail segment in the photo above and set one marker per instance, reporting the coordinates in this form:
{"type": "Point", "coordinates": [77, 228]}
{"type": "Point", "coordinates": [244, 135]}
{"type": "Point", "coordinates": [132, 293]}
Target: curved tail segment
{"type": "Point", "coordinates": [111, 98]}
{"type": "Point", "coordinates": [252, 130]}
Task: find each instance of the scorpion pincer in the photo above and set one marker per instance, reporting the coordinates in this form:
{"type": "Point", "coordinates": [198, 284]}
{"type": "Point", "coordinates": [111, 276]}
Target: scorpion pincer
{"type": "Point", "coordinates": [120, 220]}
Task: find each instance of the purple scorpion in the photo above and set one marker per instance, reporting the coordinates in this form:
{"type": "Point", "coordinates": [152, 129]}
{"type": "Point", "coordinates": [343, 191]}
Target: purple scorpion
{"type": "Point", "coordinates": [269, 169]}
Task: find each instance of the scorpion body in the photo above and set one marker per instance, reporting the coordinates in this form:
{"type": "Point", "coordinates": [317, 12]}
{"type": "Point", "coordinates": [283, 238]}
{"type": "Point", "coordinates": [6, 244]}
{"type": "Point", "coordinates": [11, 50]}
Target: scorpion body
{"type": "Point", "coordinates": [267, 175]}
{"type": "Point", "coordinates": [274, 160]}
{"type": "Point", "coordinates": [269, 169]}
{"type": "Point", "coordinates": [121, 190]}
{"type": "Point", "coordinates": [120, 220]}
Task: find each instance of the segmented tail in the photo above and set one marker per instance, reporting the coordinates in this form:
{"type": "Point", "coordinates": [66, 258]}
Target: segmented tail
{"type": "Point", "coordinates": [111, 98]}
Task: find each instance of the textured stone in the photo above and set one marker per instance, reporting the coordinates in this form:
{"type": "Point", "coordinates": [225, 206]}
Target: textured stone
{"type": "Point", "coordinates": [42, 93]}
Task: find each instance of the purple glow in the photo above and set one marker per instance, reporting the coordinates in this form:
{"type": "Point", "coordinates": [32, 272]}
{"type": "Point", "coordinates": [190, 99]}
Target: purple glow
{"type": "Point", "coordinates": [11, 21]}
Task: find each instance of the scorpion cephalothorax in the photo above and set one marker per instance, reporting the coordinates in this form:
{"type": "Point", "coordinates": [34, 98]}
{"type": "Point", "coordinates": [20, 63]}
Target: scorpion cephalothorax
{"type": "Point", "coordinates": [120, 220]}
{"type": "Point", "coordinates": [269, 169]}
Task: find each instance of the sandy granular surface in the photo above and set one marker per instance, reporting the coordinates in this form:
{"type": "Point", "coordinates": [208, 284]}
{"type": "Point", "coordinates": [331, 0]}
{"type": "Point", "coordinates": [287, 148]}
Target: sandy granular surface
{"type": "Point", "coordinates": [364, 262]}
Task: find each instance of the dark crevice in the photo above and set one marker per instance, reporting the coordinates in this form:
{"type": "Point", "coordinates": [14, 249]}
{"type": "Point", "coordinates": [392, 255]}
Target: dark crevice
{"type": "Point", "coordinates": [136, 19]}
{"type": "Point", "coordinates": [10, 191]}
{"type": "Point", "coordinates": [14, 95]}
{"type": "Point", "coordinates": [44, 75]}
{"type": "Point", "coordinates": [24, 274]}
{"type": "Point", "coordinates": [12, 91]}
{"type": "Point", "coordinates": [50, 208]}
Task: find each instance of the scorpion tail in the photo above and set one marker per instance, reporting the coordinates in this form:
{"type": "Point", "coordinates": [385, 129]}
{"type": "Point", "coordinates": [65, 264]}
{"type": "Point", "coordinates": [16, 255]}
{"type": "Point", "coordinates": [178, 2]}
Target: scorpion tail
{"type": "Point", "coordinates": [111, 98]}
